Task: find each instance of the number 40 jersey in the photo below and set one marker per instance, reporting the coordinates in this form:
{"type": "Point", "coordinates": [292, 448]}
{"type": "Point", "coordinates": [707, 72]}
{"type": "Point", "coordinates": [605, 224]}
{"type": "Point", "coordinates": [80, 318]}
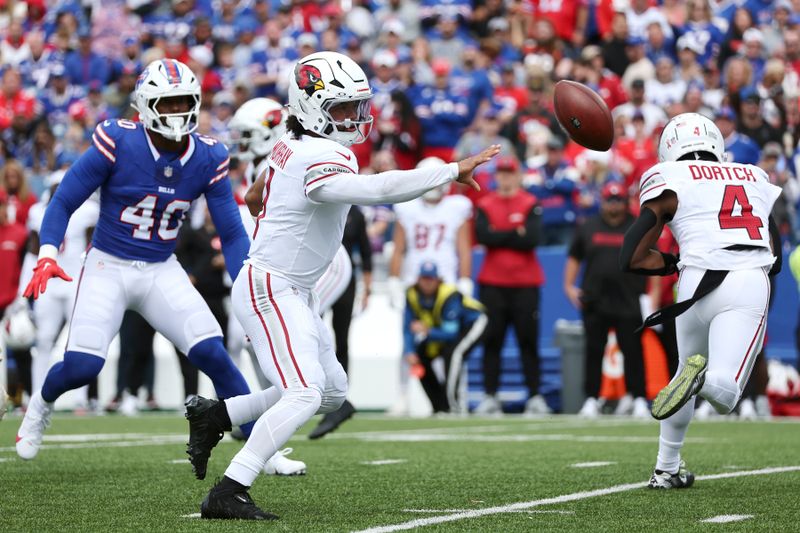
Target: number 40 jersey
{"type": "Point", "coordinates": [720, 205]}
{"type": "Point", "coordinates": [144, 194]}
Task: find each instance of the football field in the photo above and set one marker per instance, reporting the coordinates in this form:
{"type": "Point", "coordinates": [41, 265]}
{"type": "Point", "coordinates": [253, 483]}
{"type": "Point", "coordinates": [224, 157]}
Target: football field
{"type": "Point", "coordinates": [376, 473]}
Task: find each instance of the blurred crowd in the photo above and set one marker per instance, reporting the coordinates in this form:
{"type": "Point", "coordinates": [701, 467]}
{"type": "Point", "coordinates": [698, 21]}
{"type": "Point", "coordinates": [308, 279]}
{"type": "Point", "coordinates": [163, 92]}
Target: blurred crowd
{"type": "Point", "coordinates": [449, 78]}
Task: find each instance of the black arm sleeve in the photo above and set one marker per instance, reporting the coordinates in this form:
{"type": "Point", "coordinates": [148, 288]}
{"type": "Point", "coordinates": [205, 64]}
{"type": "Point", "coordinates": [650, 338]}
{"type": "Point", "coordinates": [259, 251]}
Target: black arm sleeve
{"type": "Point", "coordinates": [777, 247]}
{"type": "Point", "coordinates": [533, 229]}
{"type": "Point", "coordinates": [646, 221]}
{"type": "Point", "coordinates": [364, 246]}
{"type": "Point", "coordinates": [487, 236]}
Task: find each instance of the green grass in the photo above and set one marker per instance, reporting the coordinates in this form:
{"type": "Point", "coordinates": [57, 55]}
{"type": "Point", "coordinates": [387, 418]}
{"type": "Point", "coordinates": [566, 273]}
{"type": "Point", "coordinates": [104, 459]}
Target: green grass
{"type": "Point", "coordinates": [450, 464]}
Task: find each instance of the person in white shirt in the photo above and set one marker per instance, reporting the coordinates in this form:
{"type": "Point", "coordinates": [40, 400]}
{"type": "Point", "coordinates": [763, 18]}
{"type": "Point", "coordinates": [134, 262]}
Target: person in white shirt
{"type": "Point", "coordinates": [302, 199]}
{"type": "Point", "coordinates": [720, 215]}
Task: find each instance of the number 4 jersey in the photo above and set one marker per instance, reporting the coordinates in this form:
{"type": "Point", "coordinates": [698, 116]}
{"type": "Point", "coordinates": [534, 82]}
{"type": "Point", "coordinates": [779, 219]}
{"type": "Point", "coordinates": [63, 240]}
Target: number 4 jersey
{"type": "Point", "coordinates": [144, 194]}
{"type": "Point", "coordinates": [720, 205]}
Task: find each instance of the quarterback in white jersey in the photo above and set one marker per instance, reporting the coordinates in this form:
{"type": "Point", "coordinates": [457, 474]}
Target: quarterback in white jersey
{"type": "Point", "coordinates": [720, 215]}
{"type": "Point", "coordinates": [53, 309]}
{"type": "Point", "coordinates": [433, 228]}
{"type": "Point", "coordinates": [305, 196]}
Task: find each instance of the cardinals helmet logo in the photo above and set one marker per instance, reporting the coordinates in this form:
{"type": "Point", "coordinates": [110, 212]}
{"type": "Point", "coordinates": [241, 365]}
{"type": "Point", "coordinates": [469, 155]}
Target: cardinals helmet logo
{"type": "Point", "coordinates": [273, 118]}
{"type": "Point", "coordinates": [308, 78]}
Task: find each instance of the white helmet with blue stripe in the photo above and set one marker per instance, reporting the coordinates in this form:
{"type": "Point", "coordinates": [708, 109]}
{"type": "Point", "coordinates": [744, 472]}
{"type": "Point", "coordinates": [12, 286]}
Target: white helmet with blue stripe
{"type": "Point", "coordinates": [167, 78]}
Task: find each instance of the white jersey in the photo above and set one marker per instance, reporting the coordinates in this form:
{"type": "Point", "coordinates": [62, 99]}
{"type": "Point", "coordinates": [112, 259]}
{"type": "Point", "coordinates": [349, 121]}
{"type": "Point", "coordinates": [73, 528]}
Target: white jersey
{"type": "Point", "coordinates": [75, 242]}
{"type": "Point", "coordinates": [719, 205]}
{"type": "Point", "coordinates": [295, 237]}
{"type": "Point", "coordinates": [431, 231]}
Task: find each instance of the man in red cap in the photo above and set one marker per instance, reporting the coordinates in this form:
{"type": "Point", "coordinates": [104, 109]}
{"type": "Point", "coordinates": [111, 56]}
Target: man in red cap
{"type": "Point", "coordinates": [507, 222]}
{"type": "Point", "coordinates": [607, 298]}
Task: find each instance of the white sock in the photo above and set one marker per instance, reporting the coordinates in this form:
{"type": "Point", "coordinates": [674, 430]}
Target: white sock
{"type": "Point", "coordinates": [673, 433]}
{"type": "Point", "coordinates": [271, 431]}
{"type": "Point", "coordinates": [248, 407]}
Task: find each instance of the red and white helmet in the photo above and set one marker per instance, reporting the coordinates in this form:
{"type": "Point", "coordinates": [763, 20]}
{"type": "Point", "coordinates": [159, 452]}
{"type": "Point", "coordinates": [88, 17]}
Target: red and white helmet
{"type": "Point", "coordinates": [690, 132]}
{"type": "Point", "coordinates": [166, 78]}
{"type": "Point", "coordinates": [435, 194]}
{"type": "Point", "coordinates": [322, 80]}
{"type": "Point", "coordinates": [255, 128]}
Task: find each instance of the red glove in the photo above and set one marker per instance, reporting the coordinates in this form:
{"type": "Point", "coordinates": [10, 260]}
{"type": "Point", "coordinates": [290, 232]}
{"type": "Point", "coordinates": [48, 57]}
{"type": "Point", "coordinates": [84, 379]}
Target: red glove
{"type": "Point", "coordinates": [45, 269]}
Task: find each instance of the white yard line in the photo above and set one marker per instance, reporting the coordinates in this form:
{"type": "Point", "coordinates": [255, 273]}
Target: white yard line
{"type": "Point", "coordinates": [725, 518]}
{"type": "Point", "coordinates": [191, 515]}
{"type": "Point", "coordinates": [446, 437]}
{"type": "Point", "coordinates": [530, 511]}
{"type": "Point", "coordinates": [179, 461]}
{"type": "Point", "coordinates": [382, 462]}
{"type": "Point", "coordinates": [477, 513]}
{"type": "Point", "coordinates": [593, 464]}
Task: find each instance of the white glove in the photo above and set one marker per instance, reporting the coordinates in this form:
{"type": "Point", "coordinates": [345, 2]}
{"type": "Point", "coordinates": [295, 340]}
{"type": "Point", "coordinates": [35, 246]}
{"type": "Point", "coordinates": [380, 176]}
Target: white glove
{"type": "Point", "coordinates": [466, 286]}
{"type": "Point", "coordinates": [647, 309]}
{"type": "Point", "coordinates": [397, 293]}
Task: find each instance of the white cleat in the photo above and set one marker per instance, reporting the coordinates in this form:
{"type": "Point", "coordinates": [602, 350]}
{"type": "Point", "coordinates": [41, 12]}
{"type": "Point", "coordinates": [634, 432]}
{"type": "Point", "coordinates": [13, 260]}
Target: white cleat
{"type": "Point", "coordinates": [31, 431]}
{"type": "Point", "coordinates": [640, 408]}
{"type": "Point", "coordinates": [536, 405]}
{"type": "Point", "coordinates": [488, 406]}
{"type": "Point", "coordinates": [129, 405]}
{"type": "Point", "coordinates": [763, 409]}
{"type": "Point", "coordinates": [624, 405]}
{"type": "Point", "coordinates": [280, 465]}
{"type": "Point", "coordinates": [590, 409]}
{"type": "Point", "coordinates": [747, 410]}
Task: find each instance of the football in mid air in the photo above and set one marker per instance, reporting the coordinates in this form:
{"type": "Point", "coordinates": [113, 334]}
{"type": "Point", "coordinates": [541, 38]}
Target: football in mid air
{"type": "Point", "coordinates": [583, 115]}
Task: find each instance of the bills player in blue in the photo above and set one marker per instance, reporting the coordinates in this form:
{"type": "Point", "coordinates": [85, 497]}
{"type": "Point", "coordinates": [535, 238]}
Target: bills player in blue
{"type": "Point", "coordinates": [148, 174]}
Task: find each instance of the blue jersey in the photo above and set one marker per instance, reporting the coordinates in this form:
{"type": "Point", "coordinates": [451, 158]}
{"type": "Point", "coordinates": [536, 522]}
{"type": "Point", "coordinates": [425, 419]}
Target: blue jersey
{"type": "Point", "coordinates": [144, 195]}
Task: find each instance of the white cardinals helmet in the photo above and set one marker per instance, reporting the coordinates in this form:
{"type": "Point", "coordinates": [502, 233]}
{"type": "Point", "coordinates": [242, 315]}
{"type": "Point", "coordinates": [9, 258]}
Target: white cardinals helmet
{"type": "Point", "coordinates": [323, 80]}
{"type": "Point", "coordinates": [435, 194]}
{"type": "Point", "coordinates": [19, 331]}
{"type": "Point", "coordinates": [255, 127]}
{"type": "Point", "coordinates": [167, 78]}
{"type": "Point", "coordinates": [687, 133]}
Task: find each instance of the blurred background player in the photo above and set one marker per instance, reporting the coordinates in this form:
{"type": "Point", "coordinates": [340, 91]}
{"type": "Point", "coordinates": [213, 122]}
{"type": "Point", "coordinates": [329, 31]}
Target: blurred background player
{"type": "Point", "coordinates": [53, 309]}
{"type": "Point", "coordinates": [149, 173]}
{"type": "Point", "coordinates": [440, 327]}
{"type": "Point", "coordinates": [435, 227]}
{"type": "Point", "coordinates": [727, 255]}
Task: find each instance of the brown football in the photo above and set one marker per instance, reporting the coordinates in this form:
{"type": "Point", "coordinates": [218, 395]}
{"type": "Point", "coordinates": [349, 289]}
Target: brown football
{"type": "Point", "coordinates": [583, 115]}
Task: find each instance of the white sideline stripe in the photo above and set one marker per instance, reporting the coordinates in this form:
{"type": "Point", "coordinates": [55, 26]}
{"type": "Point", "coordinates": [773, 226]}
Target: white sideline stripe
{"type": "Point", "coordinates": [529, 511]}
{"type": "Point", "coordinates": [725, 518]}
{"type": "Point", "coordinates": [593, 464]}
{"type": "Point", "coordinates": [179, 461]}
{"type": "Point", "coordinates": [4, 459]}
{"type": "Point", "coordinates": [381, 462]}
{"type": "Point", "coordinates": [191, 515]}
{"type": "Point", "coordinates": [431, 437]}
{"type": "Point", "coordinates": [157, 441]}
{"type": "Point", "coordinates": [476, 513]}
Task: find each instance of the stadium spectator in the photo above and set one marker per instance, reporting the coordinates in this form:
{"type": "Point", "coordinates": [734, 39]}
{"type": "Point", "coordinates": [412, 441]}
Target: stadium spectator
{"type": "Point", "coordinates": [637, 150]}
{"type": "Point", "coordinates": [700, 29]}
{"type": "Point", "coordinates": [12, 250]}
{"type": "Point", "coordinates": [83, 65]}
{"type": "Point", "coordinates": [591, 71]}
{"type": "Point", "coordinates": [639, 67]}
{"type": "Point", "coordinates": [508, 223]}
{"type": "Point", "coordinates": [689, 52]}
{"type": "Point", "coordinates": [404, 12]}
{"type": "Point", "coordinates": [614, 56]}
{"type": "Point", "coordinates": [398, 130]}
{"type": "Point", "coordinates": [441, 325]}
{"type": "Point", "coordinates": [534, 121]}
{"type": "Point", "coordinates": [607, 298]}
{"type": "Point", "coordinates": [553, 185]}
{"type": "Point", "coordinates": [739, 147]}
{"type": "Point", "coordinates": [19, 196]}
{"type": "Point", "coordinates": [658, 45]}
{"type": "Point", "coordinates": [447, 45]}
{"type": "Point", "coordinates": [17, 107]}
{"type": "Point", "coordinates": [486, 132]}
{"type": "Point", "coordinates": [751, 120]}
{"type": "Point", "coordinates": [442, 113]}
{"type": "Point", "coordinates": [654, 116]}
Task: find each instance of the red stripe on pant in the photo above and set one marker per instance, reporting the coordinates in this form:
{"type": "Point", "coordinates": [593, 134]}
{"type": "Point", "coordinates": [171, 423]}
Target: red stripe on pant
{"type": "Point", "coordinates": [758, 330]}
{"type": "Point", "coordinates": [285, 331]}
{"type": "Point", "coordinates": [263, 324]}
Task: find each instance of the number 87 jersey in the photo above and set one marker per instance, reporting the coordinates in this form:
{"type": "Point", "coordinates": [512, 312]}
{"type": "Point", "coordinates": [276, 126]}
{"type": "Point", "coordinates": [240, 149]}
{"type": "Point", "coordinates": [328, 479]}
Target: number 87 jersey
{"type": "Point", "coordinates": [723, 210]}
{"type": "Point", "coordinates": [145, 194]}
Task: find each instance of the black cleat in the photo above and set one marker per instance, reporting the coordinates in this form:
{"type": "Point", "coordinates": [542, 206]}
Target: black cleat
{"type": "Point", "coordinates": [231, 503]}
{"type": "Point", "coordinates": [204, 433]}
{"type": "Point", "coordinates": [333, 420]}
{"type": "Point", "coordinates": [682, 479]}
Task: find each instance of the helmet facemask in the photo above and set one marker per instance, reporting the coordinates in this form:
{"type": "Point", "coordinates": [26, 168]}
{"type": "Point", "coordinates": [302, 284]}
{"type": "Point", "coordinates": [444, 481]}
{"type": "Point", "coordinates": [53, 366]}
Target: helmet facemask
{"type": "Point", "coordinates": [174, 126]}
{"type": "Point", "coordinates": [348, 131]}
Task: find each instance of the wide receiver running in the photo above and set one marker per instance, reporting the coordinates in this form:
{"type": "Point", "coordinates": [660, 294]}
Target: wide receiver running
{"type": "Point", "coordinates": [149, 173]}
{"type": "Point", "coordinates": [308, 189]}
{"type": "Point", "coordinates": [720, 215]}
